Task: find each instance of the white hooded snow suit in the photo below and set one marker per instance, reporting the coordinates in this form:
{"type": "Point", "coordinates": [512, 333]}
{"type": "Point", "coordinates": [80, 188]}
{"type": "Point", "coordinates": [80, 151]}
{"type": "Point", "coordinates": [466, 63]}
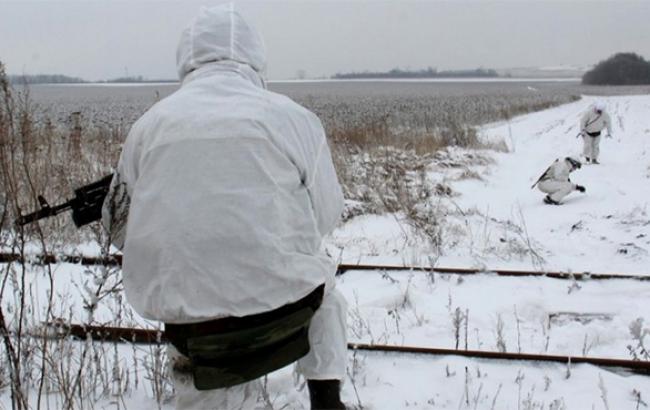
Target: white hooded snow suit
{"type": "Point", "coordinates": [229, 190]}
{"type": "Point", "coordinates": [555, 181]}
{"type": "Point", "coordinates": [593, 122]}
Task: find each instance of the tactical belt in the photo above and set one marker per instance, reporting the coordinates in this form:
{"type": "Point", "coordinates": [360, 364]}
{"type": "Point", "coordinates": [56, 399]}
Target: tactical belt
{"type": "Point", "coordinates": [233, 350]}
{"type": "Point", "coordinates": [594, 134]}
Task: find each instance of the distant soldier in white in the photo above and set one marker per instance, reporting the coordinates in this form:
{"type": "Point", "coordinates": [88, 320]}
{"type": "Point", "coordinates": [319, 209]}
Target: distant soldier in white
{"type": "Point", "coordinates": [592, 123]}
{"type": "Point", "coordinates": [555, 180]}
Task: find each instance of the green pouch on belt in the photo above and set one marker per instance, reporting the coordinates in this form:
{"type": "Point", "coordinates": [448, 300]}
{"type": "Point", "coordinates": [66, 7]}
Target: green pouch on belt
{"type": "Point", "coordinates": [230, 358]}
{"type": "Point", "coordinates": [233, 350]}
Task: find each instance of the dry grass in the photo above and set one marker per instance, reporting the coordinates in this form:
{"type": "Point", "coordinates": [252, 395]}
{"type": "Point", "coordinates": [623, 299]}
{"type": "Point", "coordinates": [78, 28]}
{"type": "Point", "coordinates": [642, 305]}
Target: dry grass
{"type": "Point", "coordinates": [38, 157]}
{"type": "Point", "coordinates": [380, 134]}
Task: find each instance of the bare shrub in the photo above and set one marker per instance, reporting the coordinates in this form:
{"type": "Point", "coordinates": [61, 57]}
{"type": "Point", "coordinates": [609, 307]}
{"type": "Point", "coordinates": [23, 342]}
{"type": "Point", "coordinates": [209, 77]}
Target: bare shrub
{"type": "Point", "coordinates": [37, 158]}
{"type": "Point", "coordinates": [638, 350]}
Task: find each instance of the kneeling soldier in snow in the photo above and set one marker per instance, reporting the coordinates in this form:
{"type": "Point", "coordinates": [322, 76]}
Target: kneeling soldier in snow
{"type": "Point", "coordinates": [555, 180]}
{"type": "Point", "coordinates": [220, 201]}
{"type": "Point", "coordinates": [592, 123]}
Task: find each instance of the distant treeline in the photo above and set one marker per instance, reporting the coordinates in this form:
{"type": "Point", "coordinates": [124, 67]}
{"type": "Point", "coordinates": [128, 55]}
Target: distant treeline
{"type": "Point", "coordinates": [64, 79]}
{"type": "Point", "coordinates": [619, 69]}
{"type": "Point", "coordinates": [137, 79]}
{"type": "Point", "coordinates": [44, 79]}
{"type": "Point", "coordinates": [425, 73]}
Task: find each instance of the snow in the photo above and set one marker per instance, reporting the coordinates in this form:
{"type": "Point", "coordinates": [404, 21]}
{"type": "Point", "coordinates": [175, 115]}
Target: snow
{"type": "Point", "coordinates": [605, 230]}
{"type": "Point", "coordinates": [498, 222]}
{"type": "Point", "coordinates": [612, 216]}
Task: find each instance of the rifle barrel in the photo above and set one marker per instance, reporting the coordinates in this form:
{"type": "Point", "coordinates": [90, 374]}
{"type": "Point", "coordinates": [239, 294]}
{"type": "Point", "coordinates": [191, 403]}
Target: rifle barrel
{"type": "Point", "coordinates": [44, 212]}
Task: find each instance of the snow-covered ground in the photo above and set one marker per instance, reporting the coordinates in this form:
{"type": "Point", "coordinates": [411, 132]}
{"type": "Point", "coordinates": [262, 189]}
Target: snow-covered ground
{"type": "Point", "coordinates": [500, 222]}
{"type": "Point", "coordinates": [605, 230]}
{"type": "Point", "coordinates": [494, 220]}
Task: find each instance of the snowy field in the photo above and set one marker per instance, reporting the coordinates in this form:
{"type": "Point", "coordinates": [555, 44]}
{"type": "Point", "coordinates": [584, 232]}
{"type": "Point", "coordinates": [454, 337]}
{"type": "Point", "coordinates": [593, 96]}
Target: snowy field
{"type": "Point", "coordinates": [605, 230]}
{"type": "Point", "coordinates": [493, 220]}
{"type": "Point", "coordinates": [337, 103]}
{"type": "Point", "coordinates": [502, 223]}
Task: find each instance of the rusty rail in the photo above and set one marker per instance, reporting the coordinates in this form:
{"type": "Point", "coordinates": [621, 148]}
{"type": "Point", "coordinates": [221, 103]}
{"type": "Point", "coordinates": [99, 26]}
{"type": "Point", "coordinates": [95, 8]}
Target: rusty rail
{"type": "Point", "coordinates": [499, 272]}
{"type": "Point", "coordinates": [111, 260]}
{"type": "Point", "coordinates": [115, 260]}
{"type": "Point", "coordinates": [637, 366]}
{"type": "Point", "coordinates": [151, 336]}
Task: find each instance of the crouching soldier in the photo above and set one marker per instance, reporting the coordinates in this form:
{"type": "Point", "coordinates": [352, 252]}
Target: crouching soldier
{"type": "Point", "coordinates": [220, 201]}
{"type": "Point", "coordinates": [555, 180]}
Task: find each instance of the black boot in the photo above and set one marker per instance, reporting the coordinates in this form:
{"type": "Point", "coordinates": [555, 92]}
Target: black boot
{"type": "Point", "coordinates": [325, 394]}
{"type": "Point", "coordinates": [550, 201]}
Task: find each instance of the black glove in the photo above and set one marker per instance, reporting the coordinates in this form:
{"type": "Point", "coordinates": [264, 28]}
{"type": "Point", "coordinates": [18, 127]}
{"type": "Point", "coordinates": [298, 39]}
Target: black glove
{"type": "Point", "coordinates": [580, 188]}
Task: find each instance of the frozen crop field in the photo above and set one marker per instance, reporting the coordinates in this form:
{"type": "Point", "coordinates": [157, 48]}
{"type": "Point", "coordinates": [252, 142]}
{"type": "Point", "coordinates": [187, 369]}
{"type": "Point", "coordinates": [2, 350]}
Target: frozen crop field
{"type": "Point", "coordinates": [456, 207]}
{"type": "Point", "coordinates": [338, 103]}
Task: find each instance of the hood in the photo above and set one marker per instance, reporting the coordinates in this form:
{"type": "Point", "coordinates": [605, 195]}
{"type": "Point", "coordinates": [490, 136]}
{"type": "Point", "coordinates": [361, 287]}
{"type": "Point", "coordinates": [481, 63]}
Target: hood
{"type": "Point", "coordinates": [574, 163]}
{"type": "Point", "coordinates": [219, 34]}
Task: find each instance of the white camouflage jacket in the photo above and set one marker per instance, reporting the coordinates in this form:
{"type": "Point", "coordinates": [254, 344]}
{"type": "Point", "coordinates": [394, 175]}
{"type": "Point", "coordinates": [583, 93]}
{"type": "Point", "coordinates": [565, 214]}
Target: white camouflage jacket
{"type": "Point", "coordinates": [593, 122]}
{"type": "Point", "coordinates": [559, 171]}
{"type": "Point", "coordinates": [224, 190]}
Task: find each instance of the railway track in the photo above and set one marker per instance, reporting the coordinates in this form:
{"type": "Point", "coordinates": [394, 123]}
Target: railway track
{"type": "Point", "coordinates": [149, 336]}
{"type": "Point", "coordinates": [43, 259]}
{"type": "Point", "coordinates": [152, 336]}
{"type": "Point", "coordinates": [116, 260]}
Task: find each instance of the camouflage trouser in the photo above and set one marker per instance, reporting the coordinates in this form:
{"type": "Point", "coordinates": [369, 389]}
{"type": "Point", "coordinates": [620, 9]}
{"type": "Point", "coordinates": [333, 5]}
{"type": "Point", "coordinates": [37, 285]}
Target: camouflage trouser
{"type": "Point", "coordinates": [591, 146]}
{"type": "Point", "coordinates": [326, 360]}
{"type": "Point", "coordinates": [557, 190]}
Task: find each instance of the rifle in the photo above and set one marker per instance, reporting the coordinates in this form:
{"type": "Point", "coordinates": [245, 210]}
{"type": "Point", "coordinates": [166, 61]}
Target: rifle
{"type": "Point", "coordinates": [541, 177]}
{"type": "Point", "coordinates": [86, 205]}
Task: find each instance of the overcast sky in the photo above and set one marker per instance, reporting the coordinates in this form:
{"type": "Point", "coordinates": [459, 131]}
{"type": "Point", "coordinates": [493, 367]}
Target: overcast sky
{"type": "Point", "coordinates": [100, 39]}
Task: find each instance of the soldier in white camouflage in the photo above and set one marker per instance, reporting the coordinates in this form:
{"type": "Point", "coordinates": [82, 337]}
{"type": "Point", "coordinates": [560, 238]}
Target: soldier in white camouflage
{"type": "Point", "coordinates": [220, 201]}
{"type": "Point", "coordinates": [555, 180]}
{"type": "Point", "coordinates": [593, 122]}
